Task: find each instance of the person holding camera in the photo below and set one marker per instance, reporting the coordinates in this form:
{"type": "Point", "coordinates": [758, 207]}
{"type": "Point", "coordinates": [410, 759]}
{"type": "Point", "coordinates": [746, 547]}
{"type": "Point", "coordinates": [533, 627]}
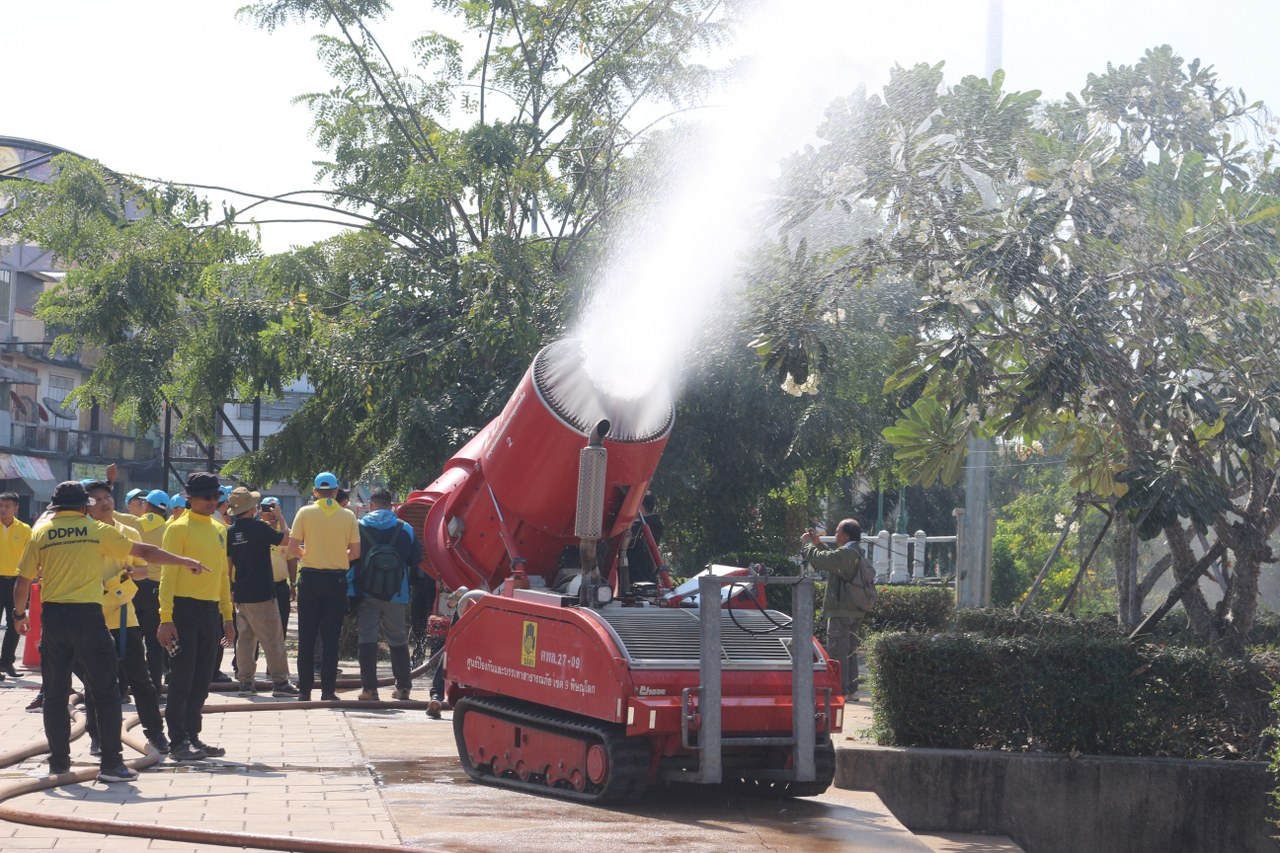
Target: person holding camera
{"type": "Point", "coordinates": [253, 589]}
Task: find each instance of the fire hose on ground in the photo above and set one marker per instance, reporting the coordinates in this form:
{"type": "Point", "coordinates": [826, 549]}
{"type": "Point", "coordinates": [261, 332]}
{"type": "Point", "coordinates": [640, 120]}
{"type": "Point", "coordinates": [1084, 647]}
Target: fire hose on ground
{"type": "Point", "coordinates": [151, 756]}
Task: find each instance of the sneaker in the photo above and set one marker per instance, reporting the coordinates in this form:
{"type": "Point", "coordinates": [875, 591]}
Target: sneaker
{"type": "Point", "coordinates": [433, 709]}
{"type": "Point", "coordinates": [160, 742]}
{"type": "Point", "coordinates": [95, 748]}
{"type": "Point", "coordinates": [211, 751]}
{"type": "Point", "coordinates": [368, 696]}
{"type": "Point", "coordinates": [400, 694]}
{"type": "Point", "coordinates": [59, 766]}
{"type": "Point", "coordinates": [285, 689]}
{"type": "Point", "coordinates": [117, 774]}
{"type": "Point", "coordinates": [246, 688]}
{"type": "Point", "coordinates": [187, 751]}
{"type": "Point", "coordinates": [328, 697]}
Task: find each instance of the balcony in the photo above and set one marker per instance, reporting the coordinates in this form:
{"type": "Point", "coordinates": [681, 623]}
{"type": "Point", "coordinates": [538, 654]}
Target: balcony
{"type": "Point", "coordinates": [100, 445]}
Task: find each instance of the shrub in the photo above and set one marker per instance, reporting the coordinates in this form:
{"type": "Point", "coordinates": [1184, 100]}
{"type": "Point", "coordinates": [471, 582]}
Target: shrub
{"type": "Point", "coordinates": [1172, 630]}
{"type": "Point", "coordinates": [912, 608]}
{"type": "Point", "coordinates": [1004, 622]}
{"type": "Point", "coordinates": [1070, 693]}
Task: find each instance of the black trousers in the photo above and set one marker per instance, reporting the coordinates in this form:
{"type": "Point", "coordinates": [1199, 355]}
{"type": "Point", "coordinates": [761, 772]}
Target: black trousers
{"type": "Point", "coordinates": [322, 602]}
{"type": "Point", "coordinates": [76, 635]}
{"type": "Point", "coordinates": [200, 632]}
{"type": "Point", "coordinates": [284, 600]}
{"type": "Point", "coordinates": [9, 649]}
{"type": "Point", "coordinates": [147, 605]}
{"type": "Point", "coordinates": [135, 676]}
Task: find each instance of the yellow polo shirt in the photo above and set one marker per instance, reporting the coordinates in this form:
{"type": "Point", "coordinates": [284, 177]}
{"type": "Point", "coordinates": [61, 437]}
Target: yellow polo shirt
{"type": "Point", "coordinates": [280, 561]}
{"type": "Point", "coordinates": [197, 537]}
{"type": "Point", "coordinates": [127, 518]}
{"type": "Point", "coordinates": [13, 541]}
{"type": "Point", "coordinates": [68, 554]}
{"type": "Point", "coordinates": [117, 592]}
{"type": "Point", "coordinates": [325, 529]}
{"type": "Point", "coordinates": [152, 527]}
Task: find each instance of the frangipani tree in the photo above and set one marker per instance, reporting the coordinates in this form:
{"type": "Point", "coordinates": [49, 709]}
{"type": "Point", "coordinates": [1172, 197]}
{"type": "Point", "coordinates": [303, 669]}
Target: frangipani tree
{"type": "Point", "coordinates": [1099, 273]}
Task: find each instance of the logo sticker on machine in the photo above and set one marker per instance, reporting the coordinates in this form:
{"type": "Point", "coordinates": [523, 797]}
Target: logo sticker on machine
{"type": "Point", "coordinates": [529, 645]}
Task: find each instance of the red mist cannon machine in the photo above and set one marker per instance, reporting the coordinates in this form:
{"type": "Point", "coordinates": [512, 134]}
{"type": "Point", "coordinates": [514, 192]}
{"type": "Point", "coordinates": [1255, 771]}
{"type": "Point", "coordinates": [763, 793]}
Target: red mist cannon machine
{"type": "Point", "coordinates": [563, 679]}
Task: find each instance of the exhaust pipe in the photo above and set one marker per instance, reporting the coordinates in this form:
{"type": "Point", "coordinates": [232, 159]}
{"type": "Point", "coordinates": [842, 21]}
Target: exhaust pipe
{"type": "Point", "coordinates": [593, 461]}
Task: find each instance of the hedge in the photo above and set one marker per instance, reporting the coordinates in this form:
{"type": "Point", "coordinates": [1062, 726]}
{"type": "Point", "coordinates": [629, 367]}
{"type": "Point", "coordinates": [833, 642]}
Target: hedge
{"type": "Point", "coordinates": [1095, 695]}
{"type": "Point", "coordinates": [1172, 630]}
{"type": "Point", "coordinates": [912, 608]}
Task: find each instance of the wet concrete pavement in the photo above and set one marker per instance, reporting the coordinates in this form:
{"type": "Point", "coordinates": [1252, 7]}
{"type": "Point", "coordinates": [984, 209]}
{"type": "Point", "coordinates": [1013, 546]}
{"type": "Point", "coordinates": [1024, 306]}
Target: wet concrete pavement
{"type": "Point", "coordinates": [433, 803]}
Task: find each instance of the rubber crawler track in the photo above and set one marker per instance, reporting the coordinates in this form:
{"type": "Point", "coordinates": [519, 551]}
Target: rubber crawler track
{"type": "Point", "coordinates": [629, 758]}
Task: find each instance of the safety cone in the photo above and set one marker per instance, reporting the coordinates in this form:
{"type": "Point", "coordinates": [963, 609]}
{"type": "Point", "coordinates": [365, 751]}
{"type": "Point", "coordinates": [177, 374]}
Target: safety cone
{"type": "Point", "coordinates": [31, 651]}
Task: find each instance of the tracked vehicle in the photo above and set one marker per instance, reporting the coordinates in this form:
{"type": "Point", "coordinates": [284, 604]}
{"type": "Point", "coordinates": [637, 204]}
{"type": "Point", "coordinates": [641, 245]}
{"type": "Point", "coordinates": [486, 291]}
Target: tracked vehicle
{"type": "Point", "coordinates": [567, 679]}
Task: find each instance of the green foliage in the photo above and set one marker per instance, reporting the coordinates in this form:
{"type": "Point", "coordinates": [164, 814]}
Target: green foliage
{"type": "Point", "coordinates": [480, 191]}
{"type": "Point", "coordinates": [929, 443]}
{"type": "Point", "coordinates": [1072, 693]}
{"type": "Point", "coordinates": [1098, 274]}
{"type": "Point", "coordinates": [911, 608]}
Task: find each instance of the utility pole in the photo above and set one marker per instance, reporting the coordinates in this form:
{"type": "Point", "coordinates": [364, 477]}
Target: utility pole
{"type": "Point", "coordinates": [973, 560]}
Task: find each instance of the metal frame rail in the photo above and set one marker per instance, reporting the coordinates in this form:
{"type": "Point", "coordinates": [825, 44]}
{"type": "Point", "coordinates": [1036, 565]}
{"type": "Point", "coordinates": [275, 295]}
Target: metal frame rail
{"type": "Point", "coordinates": [711, 740]}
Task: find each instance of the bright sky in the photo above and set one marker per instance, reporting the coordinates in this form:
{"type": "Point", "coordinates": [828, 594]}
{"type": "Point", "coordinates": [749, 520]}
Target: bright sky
{"type": "Point", "coordinates": [182, 90]}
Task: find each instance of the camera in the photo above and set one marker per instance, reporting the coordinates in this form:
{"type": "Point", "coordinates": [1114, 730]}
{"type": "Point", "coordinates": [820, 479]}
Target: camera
{"type": "Point", "coordinates": [266, 507]}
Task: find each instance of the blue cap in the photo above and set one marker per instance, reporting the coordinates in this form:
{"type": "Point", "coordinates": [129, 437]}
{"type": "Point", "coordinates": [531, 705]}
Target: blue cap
{"type": "Point", "coordinates": [135, 493]}
{"type": "Point", "coordinates": [158, 497]}
{"type": "Point", "coordinates": [177, 500]}
{"type": "Point", "coordinates": [87, 481]}
{"type": "Point", "coordinates": [224, 492]}
{"type": "Point", "coordinates": [271, 500]}
{"type": "Point", "coordinates": [326, 480]}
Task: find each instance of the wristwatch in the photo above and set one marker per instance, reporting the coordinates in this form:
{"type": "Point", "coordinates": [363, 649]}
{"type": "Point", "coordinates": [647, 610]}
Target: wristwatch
{"type": "Point", "coordinates": [22, 615]}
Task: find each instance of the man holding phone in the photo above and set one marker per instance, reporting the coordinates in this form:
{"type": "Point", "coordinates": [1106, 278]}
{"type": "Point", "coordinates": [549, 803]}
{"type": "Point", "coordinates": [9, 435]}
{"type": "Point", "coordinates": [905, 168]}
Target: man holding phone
{"type": "Point", "coordinates": [253, 588]}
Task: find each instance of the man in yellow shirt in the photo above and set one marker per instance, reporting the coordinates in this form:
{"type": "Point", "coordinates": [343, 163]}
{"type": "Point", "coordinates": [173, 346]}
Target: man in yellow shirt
{"type": "Point", "coordinates": [195, 616]}
{"type": "Point", "coordinates": [14, 536]}
{"type": "Point", "coordinates": [68, 552]}
{"type": "Point", "coordinates": [284, 569]}
{"type": "Point", "coordinates": [146, 603]}
{"type": "Point", "coordinates": [119, 599]}
{"type": "Point", "coordinates": [326, 540]}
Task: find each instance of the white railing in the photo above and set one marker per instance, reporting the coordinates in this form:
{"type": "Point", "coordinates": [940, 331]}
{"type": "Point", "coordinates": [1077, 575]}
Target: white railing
{"type": "Point", "coordinates": [899, 557]}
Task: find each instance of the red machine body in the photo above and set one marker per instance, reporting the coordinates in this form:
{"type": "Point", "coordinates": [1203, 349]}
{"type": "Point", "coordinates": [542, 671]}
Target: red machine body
{"type": "Point", "coordinates": [518, 478]}
{"type": "Point", "coordinates": [597, 702]}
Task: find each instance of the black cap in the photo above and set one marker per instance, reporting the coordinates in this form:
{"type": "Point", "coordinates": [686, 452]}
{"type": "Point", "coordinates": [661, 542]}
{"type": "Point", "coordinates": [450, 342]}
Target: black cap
{"type": "Point", "coordinates": [202, 484]}
{"type": "Point", "coordinates": [70, 495]}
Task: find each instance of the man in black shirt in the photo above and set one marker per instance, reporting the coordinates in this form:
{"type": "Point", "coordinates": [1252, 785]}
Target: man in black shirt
{"type": "Point", "coordinates": [249, 544]}
{"type": "Point", "coordinates": [640, 560]}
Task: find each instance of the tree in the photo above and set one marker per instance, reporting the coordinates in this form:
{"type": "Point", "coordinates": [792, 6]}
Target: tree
{"type": "Point", "coordinates": [1100, 273]}
{"type": "Point", "coordinates": [414, 326]}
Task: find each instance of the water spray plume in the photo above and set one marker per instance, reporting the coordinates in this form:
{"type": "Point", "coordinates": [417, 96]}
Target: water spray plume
{"type": "Point", "coordinates": [671, 272]}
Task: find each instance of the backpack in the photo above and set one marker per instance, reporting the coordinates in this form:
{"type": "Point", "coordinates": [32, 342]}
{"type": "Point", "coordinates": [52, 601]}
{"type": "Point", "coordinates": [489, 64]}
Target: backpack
{"type": "Point", "coordinates": [381, 568]}
{"type": "Point", "coordinates": [862, 589]}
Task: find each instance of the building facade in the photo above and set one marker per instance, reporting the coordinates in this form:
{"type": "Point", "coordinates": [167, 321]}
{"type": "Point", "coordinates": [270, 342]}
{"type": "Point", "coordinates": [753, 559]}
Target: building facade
{"type": "Point", "coordinates": [43, 438]}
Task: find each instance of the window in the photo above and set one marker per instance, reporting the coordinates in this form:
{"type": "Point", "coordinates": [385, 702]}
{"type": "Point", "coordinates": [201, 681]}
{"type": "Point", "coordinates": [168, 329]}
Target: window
{"type": "Point", "coordinates": [275, 410]}
{"type": "Point", "coordinates": [59, 388]}
{"type": "Point", "coordinates": [6, 296]}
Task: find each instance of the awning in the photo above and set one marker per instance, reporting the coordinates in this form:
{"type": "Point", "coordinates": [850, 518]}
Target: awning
{"type": "Point", "coordinates": [41, 490]}
{"type": "Point", "coordinates": [16, 376]}
{"type": "Point", "coordinates": [27, 467]}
